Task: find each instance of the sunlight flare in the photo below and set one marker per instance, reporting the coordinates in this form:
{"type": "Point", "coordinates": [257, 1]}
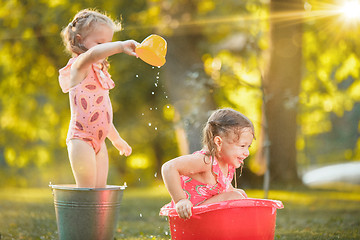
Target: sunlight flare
{"type": "Point", "coordinates": [351, 9]}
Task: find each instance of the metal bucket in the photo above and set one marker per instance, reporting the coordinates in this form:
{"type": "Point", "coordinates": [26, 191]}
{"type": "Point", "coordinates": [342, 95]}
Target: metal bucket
{"type": "Point", "coordinates": [87, 213]}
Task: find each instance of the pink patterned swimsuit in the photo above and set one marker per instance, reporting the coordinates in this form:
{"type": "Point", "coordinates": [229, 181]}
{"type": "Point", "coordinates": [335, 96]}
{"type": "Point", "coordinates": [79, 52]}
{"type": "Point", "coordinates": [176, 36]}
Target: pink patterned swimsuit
{"type": "Point", "coordinates": [198, 192]}
{"type": "Point", "coordinates": [91, 110]}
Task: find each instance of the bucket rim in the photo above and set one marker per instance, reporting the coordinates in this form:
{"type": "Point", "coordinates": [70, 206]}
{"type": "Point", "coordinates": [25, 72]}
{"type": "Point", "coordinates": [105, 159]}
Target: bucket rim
{"type": "Point", "coordinates": [72, 187]}
{"type": "Point", "coordinates": [238, 203]}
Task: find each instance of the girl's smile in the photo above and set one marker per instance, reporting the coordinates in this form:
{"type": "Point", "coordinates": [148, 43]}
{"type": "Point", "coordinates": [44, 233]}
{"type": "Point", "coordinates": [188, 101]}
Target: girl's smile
{"type": "Point", "coordinates": [235, 152]}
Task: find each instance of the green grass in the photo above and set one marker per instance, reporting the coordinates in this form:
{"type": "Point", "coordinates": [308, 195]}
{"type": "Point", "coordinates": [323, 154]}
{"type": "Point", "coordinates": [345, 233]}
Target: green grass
{"type": "Point", "coordinates": [308, 214]}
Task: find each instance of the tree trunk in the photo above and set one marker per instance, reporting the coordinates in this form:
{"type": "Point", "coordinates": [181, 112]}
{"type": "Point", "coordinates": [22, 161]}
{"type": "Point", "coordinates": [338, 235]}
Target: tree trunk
{"type": "Point", "coordinates": [189, 88]}
{"type": "Point", "coordinates": [282, 84]}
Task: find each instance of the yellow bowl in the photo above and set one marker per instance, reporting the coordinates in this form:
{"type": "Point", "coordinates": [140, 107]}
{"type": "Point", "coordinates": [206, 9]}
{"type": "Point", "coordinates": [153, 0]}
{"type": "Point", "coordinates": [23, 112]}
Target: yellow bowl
{"type": "Point", "coordinates": [152, 50]}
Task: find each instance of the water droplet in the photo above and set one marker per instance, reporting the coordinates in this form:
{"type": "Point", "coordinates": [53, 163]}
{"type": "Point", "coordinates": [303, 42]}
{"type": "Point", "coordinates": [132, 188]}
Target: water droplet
{"type": "Point", "coordinates": [157, 77]}
{"type": "Point", "coordinates": [159, 67]}
{"type": "Point", "coordinates": [155, 130]}
{"type": "Point", "coordinates": [153, 67]}
{"type": "Point", "coordinates": [158, 73]}
{"type": "Point", "coordinates": [152, 93]}
{"type": "Point", "coordinates": [140, 215]}
{"type": "Point", "coordinates": [142, 114]}
{"type": "Point", "coordinates": [167, 106]}
{"type": "Point", "coordinates": [136, 75]}
{"type": "Point", "coordinates": [155, 175]}
{"type": "Point", "coordinates": [150, 109]}
{"type": "Point", "coordinates": [166, 96]}
{"type": "Point", "coordinates": [156, 85]}
{"type": "Point", "coordinates": [166, 233]}
{"type": "Point", "coordinates": [149, 126]}
{"type": "Point", "coordinates": [139, 179]}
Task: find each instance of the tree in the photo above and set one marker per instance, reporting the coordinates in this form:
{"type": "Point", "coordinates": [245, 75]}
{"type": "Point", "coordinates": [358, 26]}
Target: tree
{"type": "Point", "coordinates": [282, 86]}
{"type": "Point", "coordinates": [189, 87]}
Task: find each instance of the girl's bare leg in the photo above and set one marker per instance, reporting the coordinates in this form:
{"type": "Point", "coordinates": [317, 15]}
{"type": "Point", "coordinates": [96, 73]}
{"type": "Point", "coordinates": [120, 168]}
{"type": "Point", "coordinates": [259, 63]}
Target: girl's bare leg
{"type": "Point", "coordinates": [231, 195]}
{"type": "Point", "coordinates": [102, 167]}
{"type": "Point", "coordinates": [83, 163]}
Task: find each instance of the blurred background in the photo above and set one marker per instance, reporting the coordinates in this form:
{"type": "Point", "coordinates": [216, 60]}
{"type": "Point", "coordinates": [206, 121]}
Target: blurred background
{"type": "Point", "coordinates": [291, 66]}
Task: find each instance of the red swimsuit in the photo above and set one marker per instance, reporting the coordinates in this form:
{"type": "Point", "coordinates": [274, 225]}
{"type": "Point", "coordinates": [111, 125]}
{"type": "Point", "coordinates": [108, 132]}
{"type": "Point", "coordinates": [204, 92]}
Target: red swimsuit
{"type": "Point", "coordinates": [198, 192]}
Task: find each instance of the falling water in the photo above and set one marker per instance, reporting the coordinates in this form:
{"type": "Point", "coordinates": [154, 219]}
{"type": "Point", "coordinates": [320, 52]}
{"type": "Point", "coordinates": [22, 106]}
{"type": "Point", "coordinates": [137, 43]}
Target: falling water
{"type": "Point", "coordinates": [155, 92]}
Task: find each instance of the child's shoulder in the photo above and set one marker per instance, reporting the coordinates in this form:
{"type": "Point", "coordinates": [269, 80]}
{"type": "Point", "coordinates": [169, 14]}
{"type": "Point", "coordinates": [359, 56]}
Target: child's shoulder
{"type": "Point", "coordinates": [198, 154]}
{"type": "Point", "coordinates": [202, 156]}
{"type": "Point", "coordinates": [202, 152]}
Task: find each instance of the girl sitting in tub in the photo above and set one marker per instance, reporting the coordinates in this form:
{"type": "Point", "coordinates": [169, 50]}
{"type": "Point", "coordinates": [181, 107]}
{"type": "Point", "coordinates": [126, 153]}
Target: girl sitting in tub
{"type": "Point", "coordinates": [205, 176]}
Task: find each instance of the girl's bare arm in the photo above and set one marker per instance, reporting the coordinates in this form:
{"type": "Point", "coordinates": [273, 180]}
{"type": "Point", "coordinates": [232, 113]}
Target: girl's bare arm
{"type": "Point", "coordinates": [184, 165]}
{"type": "Point", "coordinates": [81, 66]}
{"type": "Point", "coordinates": [118, 142]}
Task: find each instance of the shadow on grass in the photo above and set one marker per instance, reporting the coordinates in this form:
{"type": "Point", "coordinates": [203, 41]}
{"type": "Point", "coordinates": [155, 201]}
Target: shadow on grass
{"type": "Point", "coordinates": [308, 214]}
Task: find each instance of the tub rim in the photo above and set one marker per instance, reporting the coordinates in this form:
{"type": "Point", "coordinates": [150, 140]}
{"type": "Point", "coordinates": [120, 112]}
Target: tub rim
{"type": "Point", "coordinates": [237, 203]}
{"type": "Point", "coordinates": [72, 187]}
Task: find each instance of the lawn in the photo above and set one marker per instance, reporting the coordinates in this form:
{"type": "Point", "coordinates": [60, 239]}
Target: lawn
{"type": "Point", "coordinates": [308, 214]}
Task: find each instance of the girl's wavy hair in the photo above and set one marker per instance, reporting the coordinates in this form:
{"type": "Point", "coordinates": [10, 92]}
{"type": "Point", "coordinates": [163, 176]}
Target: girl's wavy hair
{"type": "Point", "coordinates": [222, 123]}
{"type": "Point", "coordinates": [82, 24]}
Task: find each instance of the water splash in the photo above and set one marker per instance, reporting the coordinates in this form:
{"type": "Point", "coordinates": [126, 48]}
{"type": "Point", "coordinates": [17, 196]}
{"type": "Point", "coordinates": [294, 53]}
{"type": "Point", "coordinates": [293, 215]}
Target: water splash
{"type": "Point", "coordinates": [157, 91]}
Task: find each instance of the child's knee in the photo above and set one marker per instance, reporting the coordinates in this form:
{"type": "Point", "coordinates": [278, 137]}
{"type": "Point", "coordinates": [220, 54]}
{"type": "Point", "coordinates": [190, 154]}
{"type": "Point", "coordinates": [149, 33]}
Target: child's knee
{"type": "Point", "coordinates": [235, 194]}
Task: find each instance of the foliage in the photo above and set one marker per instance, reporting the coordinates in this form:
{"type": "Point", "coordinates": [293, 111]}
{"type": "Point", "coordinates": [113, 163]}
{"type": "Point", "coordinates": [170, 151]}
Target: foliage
{"type": "Point", "coordinates": [329, 100]}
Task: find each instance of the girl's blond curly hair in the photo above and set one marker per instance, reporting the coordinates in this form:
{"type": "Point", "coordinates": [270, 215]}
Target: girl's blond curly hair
{"type": "Point", "coordinates": [82, 24]}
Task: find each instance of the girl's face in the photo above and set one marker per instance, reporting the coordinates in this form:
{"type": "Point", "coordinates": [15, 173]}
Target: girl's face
{"type": "Point", "coordinates": [101, 33]}
{"type": "Point", "coordinates": [232, 151]}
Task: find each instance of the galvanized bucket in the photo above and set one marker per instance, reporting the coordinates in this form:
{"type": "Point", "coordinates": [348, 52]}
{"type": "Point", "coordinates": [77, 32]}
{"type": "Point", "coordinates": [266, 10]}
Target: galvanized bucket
{"type": "Point", "coordinates": [87, 213]}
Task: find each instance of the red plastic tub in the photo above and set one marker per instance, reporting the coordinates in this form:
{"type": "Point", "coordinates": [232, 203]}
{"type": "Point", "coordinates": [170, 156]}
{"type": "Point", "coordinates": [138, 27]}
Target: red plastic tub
{"type": "Point", "coordinates": [245, 219]}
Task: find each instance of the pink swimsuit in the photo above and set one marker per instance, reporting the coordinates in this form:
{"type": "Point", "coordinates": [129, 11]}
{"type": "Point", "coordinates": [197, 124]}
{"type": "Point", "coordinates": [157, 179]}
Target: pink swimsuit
{"type": "Point", "coordinates": [91, 111]}
{"type": "Point", "coordinates": [198, 192]}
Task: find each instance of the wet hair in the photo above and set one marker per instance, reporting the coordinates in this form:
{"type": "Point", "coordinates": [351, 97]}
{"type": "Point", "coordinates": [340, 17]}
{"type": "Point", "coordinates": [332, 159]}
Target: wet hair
{"type": "Point", "coordinates": [82, 24]}
{"type": "Point", "coordinates": [224, 123]}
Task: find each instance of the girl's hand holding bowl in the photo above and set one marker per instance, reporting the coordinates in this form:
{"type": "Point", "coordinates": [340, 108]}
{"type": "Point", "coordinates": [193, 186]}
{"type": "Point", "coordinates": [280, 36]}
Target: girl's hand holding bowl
{"type": "Point", "coordinates": [183, 208]}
